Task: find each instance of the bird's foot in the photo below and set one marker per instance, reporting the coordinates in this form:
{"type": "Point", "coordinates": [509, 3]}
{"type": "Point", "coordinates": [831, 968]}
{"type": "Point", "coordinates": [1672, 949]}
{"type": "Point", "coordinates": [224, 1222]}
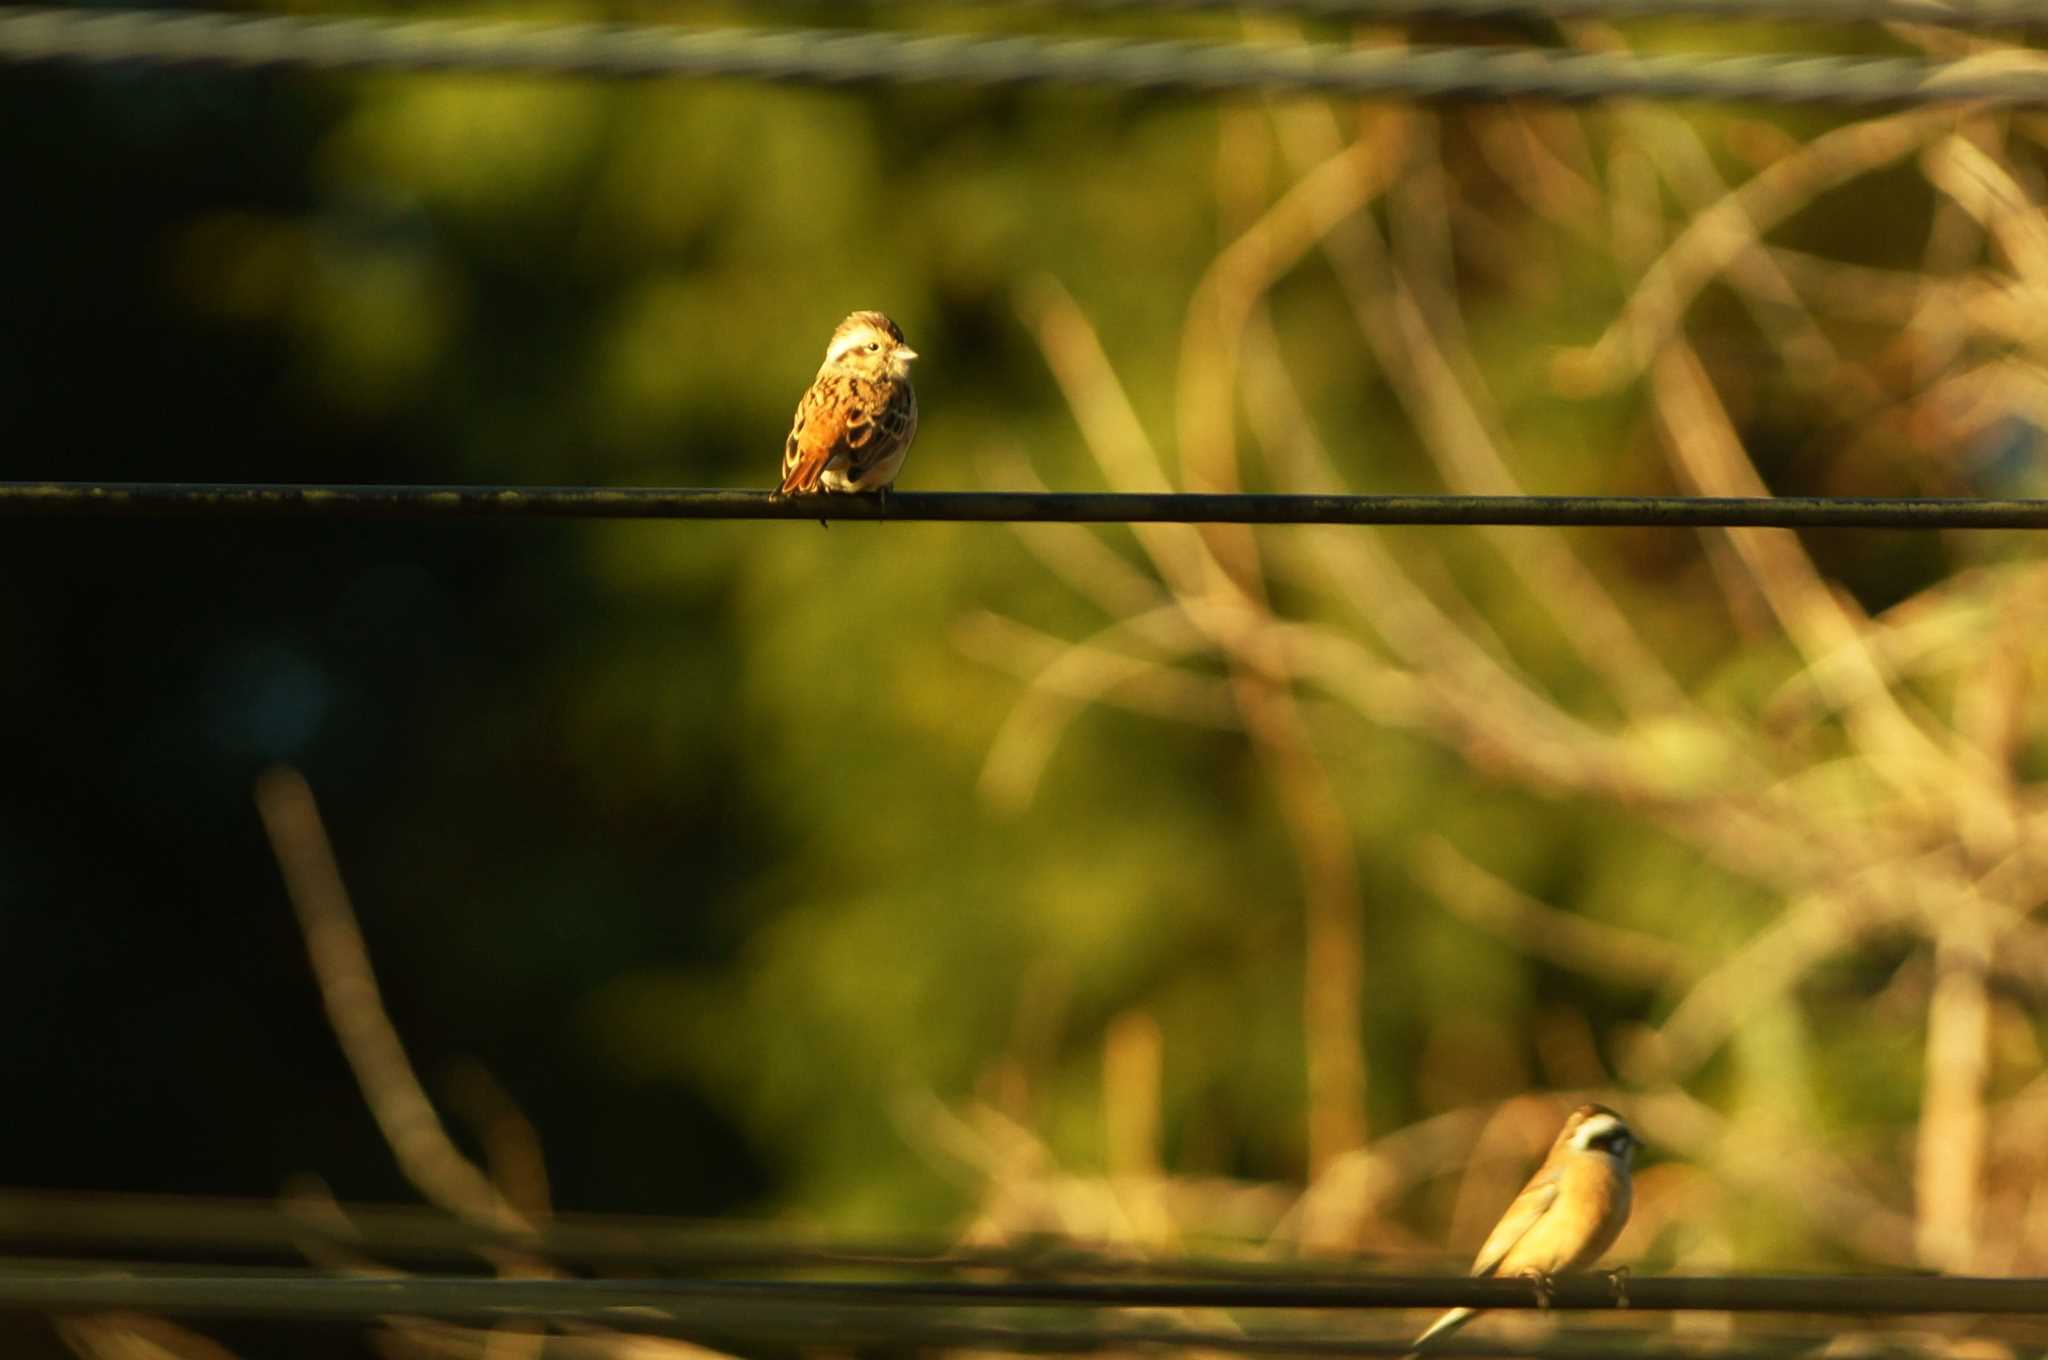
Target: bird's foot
{"type": "Point", "coordinates": [1545, 1287]}
{"type": "Point", "coordinates": [823, 523]}
{"type": "Point", "coordinates": [1618, 1277]}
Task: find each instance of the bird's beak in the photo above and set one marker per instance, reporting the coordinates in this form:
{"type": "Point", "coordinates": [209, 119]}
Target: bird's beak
{"type": "Point", "coordinates": [905, 354]}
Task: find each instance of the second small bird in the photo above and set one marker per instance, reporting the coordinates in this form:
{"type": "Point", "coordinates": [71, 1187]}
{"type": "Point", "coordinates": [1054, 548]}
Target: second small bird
{"type": "Point", "coordinates": [1571, 1210]}
{"type": "Point", "coordinates": [857, 420]}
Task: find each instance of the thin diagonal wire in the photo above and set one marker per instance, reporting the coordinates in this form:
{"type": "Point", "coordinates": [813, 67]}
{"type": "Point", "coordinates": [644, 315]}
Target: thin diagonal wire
{"type": "Point", "coordinates": [809, 56]}
{"type": "Point", "coordinates": [1943, 13]}
{"type": "Point", "coordinates": [225, 500]}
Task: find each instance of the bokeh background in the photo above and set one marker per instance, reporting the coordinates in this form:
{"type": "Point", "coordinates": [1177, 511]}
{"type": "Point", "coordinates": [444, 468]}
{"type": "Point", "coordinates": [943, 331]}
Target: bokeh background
{"type": "Point", "coordinates": [1268, 893]}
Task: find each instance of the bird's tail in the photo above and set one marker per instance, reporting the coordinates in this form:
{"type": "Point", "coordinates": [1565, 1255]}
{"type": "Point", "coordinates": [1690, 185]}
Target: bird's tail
{"type": "Point", "coordinates": [1444, 1326]}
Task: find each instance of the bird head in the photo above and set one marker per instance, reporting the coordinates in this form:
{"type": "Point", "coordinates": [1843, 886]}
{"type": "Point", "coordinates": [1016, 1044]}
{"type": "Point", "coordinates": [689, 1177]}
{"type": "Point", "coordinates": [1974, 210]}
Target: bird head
{"type": "Point", "coordinates": [1597, 1129]}
{"type": "Point", "coordinates": [871, 344]}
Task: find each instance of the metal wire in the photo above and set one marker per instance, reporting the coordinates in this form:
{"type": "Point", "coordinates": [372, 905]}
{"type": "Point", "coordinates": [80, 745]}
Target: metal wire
{"type": "Point", "coordinates": [216, 500]}
{"type": "Point", "coordinates": [1060, 1297]}
{"type": "Point", "coordinates": [26, 1286]}
{"type": "Point", "coordinates": [164, 38]}
{"type": "Point", "coordinates": [909, 1296]}
{"type": "Point", "coordinates": [1049, 1298]}
{"type": "Point", "coordinates": [1943, 13]}
{"type": "Point", "coordinates": [757, 1314]}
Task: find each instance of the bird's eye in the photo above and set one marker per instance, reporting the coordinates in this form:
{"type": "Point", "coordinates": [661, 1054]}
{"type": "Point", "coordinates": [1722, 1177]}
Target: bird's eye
{"type": "Point", "coordinates": [873, 346]}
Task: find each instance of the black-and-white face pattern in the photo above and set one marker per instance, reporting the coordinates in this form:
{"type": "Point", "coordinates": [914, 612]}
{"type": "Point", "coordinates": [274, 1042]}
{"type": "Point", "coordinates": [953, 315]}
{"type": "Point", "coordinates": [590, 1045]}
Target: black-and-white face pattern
{"type": "Point", "coordinates": [869, 342]}
{"type": "Point", "coordinates": [1606, 1133]}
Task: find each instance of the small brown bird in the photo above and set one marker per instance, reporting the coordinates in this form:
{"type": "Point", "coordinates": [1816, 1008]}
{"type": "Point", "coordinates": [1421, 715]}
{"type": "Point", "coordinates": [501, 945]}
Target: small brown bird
{"type": "Point", "coordinates": [857, 420]}
{"type": "Point", "coordinates": [1571, 1210]}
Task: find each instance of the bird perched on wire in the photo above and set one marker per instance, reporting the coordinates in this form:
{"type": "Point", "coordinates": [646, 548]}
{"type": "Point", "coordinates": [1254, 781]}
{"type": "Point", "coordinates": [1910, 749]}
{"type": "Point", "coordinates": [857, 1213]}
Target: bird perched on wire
{"type": "Point", "coordinates": [857, 420]}
{"type": "Point", "coordinates": [1571, 1210]}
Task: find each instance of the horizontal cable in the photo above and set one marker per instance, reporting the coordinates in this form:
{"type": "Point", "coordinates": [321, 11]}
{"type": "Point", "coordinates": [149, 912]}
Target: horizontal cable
{"type": "Point", "coordinates": [1944, 13]}
{"type": "Point", "coordinates": [30, 1286]}
{"type": "Point", "coordinates": [160, 37]}
{"type": "Point", "coordinates": [216, 500]}
{"type": "Point", "coordinates": [846, 1315]}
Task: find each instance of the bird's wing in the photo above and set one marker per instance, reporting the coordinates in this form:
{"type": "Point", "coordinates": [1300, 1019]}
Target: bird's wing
{"type": "Point", "coordinates": [892, 427]}
{"type": "Point", "coordinates": [1529, 1206]}
{"type": "Point", "coordinates": [835, 420]}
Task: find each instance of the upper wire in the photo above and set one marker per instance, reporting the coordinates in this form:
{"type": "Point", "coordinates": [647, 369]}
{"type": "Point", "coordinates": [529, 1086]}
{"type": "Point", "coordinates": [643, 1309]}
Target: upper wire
{"type": "Point", "coordinates": [829, 57]}
{"type": "Point", "coordinates": [1940, 13]}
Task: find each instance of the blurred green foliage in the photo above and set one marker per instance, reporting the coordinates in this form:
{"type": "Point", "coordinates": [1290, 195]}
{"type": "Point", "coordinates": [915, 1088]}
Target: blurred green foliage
{"type": "Point", "coordinates": [683, 832]}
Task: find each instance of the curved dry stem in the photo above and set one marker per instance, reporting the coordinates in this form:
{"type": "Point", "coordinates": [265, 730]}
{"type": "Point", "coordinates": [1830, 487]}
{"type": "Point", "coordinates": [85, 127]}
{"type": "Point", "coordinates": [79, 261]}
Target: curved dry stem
{"type": "Point", "coordinates": [1982, 186]}
{"type": "Point", "coordinates": [348, 988]}
{"type": "Point", "coordinates": [1439, 385]}
{"type": "Point", "coordinates": [1333, 1012]}
{"type": "Point", "coordinates": [1774, 1161]}
{"type": "Point", "coordinates": [1866, 293]}
{"type": "Point", "coordinates": [1718, 236]}
{"type": "Point", "coordinates": [1764, 969]}
{"type": "Point", "coordinates": [1481, 706]}
{"type": "Point", "coordinates": [512, 1145]}
{"type": "Point", "coordinates": [1948, 1164]}
{"type": "Point", "coordinates": [1816, 620]}
{"type": "Point", "coordinates": [1081, 673]}
{"type": "Point", "coordinates": [1115, 435]}
{"type": "Point", "coordinates": [1233, 285]}
{"type": "Point", "coordinates": [134, 1336]}
{"type": "Point", "coordinates": [1560, 186]}
{"type": "Point", "coordinates": [1612, 953]}
{"type": "Point", "coordinates": [1435, 646]}
{"type": "Point", "coordinates": [1757, 275]}
{"type": "Point", "coordinates": [1355, 1188]}
{"type": "Point", "coordinates": [1144, 685]}
{"type": "Point", "coordinates": [1476, 702]}
{"type": "Point", "coordinates": [1211, 343]}
{"type": "Point", "coordinates": [1317, 826]}
{"type": "Point", "coordinates": [1922, 637]}
{"type": "Point", "coordinates": [1073, 552]}
{"type": "Point", "coordinates": [1232, 288]}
